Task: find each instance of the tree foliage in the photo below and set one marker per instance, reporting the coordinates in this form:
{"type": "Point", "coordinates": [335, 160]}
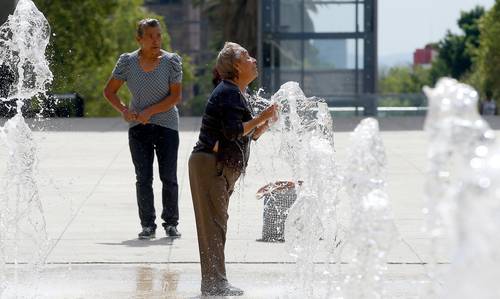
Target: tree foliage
{"type": "Point", "coordinates": [456, 58]}
{"type": "Point", "coordinates": [488, 59]}
{"type": "Point", "coordinates": [404, 79]}
{"type": "Point", "coordinates": [457, 51]}
{"type": "Point", "coordinates": [87, 39]}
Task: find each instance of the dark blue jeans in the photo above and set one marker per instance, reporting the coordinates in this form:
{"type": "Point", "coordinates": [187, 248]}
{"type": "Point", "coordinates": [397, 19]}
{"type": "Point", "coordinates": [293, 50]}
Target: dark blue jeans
{"type": "Point", "coordinates": [144, 141]}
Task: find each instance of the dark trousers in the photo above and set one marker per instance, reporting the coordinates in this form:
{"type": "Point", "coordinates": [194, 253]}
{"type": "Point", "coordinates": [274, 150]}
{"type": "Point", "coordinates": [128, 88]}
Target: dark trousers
{"type": "Point", "coordinates": [211, 187]}
{"type": "Point", "coordinates": [144, 141]}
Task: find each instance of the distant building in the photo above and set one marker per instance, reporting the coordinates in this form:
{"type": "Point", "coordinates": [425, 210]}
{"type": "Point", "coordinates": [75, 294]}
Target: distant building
{"type": "Point", "coordinates": [189, 33]}
{"type": "Point", "coordinates": [328, 47]}
{"type": "Point", "coordinates": [424, 57]}
{"type": "Point", "coordinates": [186, 25]}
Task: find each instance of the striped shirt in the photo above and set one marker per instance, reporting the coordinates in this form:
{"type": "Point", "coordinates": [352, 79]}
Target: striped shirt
{"type": "Point", "coordinates": [149, 88]}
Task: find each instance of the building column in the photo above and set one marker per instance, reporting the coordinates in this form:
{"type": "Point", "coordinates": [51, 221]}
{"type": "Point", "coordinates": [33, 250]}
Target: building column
{"type": "Point", "coordinates": [370, 76]}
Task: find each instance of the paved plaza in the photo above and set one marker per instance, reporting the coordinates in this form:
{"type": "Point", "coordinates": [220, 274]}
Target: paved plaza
{"type": "Point", "coordinates": [86, 182]}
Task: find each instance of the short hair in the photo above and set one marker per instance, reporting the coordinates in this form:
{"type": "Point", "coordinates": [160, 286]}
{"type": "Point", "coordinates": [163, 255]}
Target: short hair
{"type": "Point", "coordinates": [142, 24]}
{"type": "Point", "coordinates": [226, 60]}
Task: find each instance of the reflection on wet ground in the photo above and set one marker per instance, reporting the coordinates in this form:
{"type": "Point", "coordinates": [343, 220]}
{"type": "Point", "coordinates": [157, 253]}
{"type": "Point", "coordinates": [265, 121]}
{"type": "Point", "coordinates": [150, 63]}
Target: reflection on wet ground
{"type": "Point", "coordinates": [181, 280]}
{"type": "Point", "coordinates": [146, 277]}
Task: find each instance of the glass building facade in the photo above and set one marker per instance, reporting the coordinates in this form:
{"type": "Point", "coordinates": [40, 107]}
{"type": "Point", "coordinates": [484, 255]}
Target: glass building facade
{"type": "Point", "coordinates": [329, 47]}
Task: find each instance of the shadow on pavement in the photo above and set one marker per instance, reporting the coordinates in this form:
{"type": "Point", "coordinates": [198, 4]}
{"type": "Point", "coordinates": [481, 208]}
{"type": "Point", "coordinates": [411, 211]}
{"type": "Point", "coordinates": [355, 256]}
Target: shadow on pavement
{"type": "Point", "coordinates": [143, 243]}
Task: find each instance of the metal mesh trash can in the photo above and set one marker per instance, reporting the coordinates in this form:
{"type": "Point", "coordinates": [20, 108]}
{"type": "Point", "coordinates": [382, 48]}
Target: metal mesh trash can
{"type": "Point", "coordinates": [278, 198]}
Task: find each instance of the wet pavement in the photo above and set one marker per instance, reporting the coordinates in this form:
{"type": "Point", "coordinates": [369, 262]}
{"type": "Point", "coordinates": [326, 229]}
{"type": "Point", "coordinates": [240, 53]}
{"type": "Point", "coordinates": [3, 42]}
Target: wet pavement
{"type": "Point", "coordinates": [181, 280]}
{"type": "Point", "coordinates": [86, 184]}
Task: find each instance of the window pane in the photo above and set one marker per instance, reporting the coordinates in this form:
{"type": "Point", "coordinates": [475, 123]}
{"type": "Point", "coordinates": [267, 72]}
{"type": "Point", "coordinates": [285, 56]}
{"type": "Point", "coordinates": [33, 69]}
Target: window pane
{"type": "Point", "coordinates": [289, 75]}
{"type": "Point", "coordinates": [330, 67]}
{"type": "Point", "coordinates": [290, 54]}
{"type": "Point", "coordinates": [361, 18]}
{"type": "Point", "coordinates": [351, 53]}
{"type": "Point", "coordinates": [290, 14]}
{"type": "Point", "coordinates": [328, 83]}
{"type": "Point", "coordinates": [330, 18]}
{"type": "Point", "coordinates": [321, 54]}
{"type": "Point", "coordinates": [315, 16]}
{"type": "Point", "coordinates": [325, 54]}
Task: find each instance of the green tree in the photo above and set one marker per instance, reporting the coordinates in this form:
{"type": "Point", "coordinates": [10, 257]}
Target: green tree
{"type": "Point", "coordinates": [88, 37]}
{"type": "Point", "coordinates": [488, 59]}
{"type": "Point", "coordinates": [457, 51]}
{"type": "Point", "coordinates": [404, 79]}
{"type": "Point", "coordinates": [402, 86]}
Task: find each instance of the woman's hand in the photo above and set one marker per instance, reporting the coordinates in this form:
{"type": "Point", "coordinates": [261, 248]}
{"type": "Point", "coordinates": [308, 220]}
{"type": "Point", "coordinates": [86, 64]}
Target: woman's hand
{"type": "Point", "coordinates": [260, 130]}
{"type": "Point", "coordinates": [143, 117]}
{"type": "Point", "coordinates": [128, 116]}
{"type": "Point", "coordinates": [265, 116]}
{"type": "Point", "coordinates": [270, 112]}
{"type": "Point", "coordinates": [275, 116]}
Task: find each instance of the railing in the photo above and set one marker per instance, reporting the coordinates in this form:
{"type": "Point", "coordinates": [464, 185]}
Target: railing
{"type": "Point", "coordinates": [375, 104]}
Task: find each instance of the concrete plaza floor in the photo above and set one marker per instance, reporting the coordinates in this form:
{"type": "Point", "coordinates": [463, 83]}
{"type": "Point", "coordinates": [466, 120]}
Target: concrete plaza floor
{"type": "Point", "coordinates": [86, 183]}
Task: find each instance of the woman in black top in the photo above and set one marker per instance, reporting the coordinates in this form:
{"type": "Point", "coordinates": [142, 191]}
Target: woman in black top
{"type": "Point", "coordinates": [219, 157]}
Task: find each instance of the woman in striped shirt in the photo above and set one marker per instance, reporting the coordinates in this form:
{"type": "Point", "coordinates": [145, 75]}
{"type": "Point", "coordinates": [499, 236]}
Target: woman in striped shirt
{"type": "Point", "coordinates": [154, 78]}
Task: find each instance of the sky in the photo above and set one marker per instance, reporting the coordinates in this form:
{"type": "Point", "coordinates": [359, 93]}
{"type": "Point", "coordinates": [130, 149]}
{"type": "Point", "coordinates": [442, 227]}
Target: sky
{"type": "Point", "coordinates": [405, 25]}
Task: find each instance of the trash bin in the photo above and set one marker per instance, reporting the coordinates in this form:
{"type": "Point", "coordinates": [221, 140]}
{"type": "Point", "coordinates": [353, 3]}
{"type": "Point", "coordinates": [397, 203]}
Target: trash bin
{"type": "Point", "coordinates": [278, 198]}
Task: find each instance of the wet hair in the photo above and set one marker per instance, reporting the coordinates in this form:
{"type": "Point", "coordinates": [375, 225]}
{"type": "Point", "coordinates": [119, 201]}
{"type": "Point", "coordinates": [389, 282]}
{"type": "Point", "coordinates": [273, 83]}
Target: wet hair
{"type": "Point", "coordinates": [142, 24]}
{"type": "Point", "coordinates": [226, 60]}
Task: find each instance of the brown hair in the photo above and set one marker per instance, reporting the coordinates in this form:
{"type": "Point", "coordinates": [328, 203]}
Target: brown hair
{"type": "Point", "coordinates": [215, 77]}
{"type": "Point", "coordinates": [227, 59]}
{"type": "Point", "coordinates": [142, 24]}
